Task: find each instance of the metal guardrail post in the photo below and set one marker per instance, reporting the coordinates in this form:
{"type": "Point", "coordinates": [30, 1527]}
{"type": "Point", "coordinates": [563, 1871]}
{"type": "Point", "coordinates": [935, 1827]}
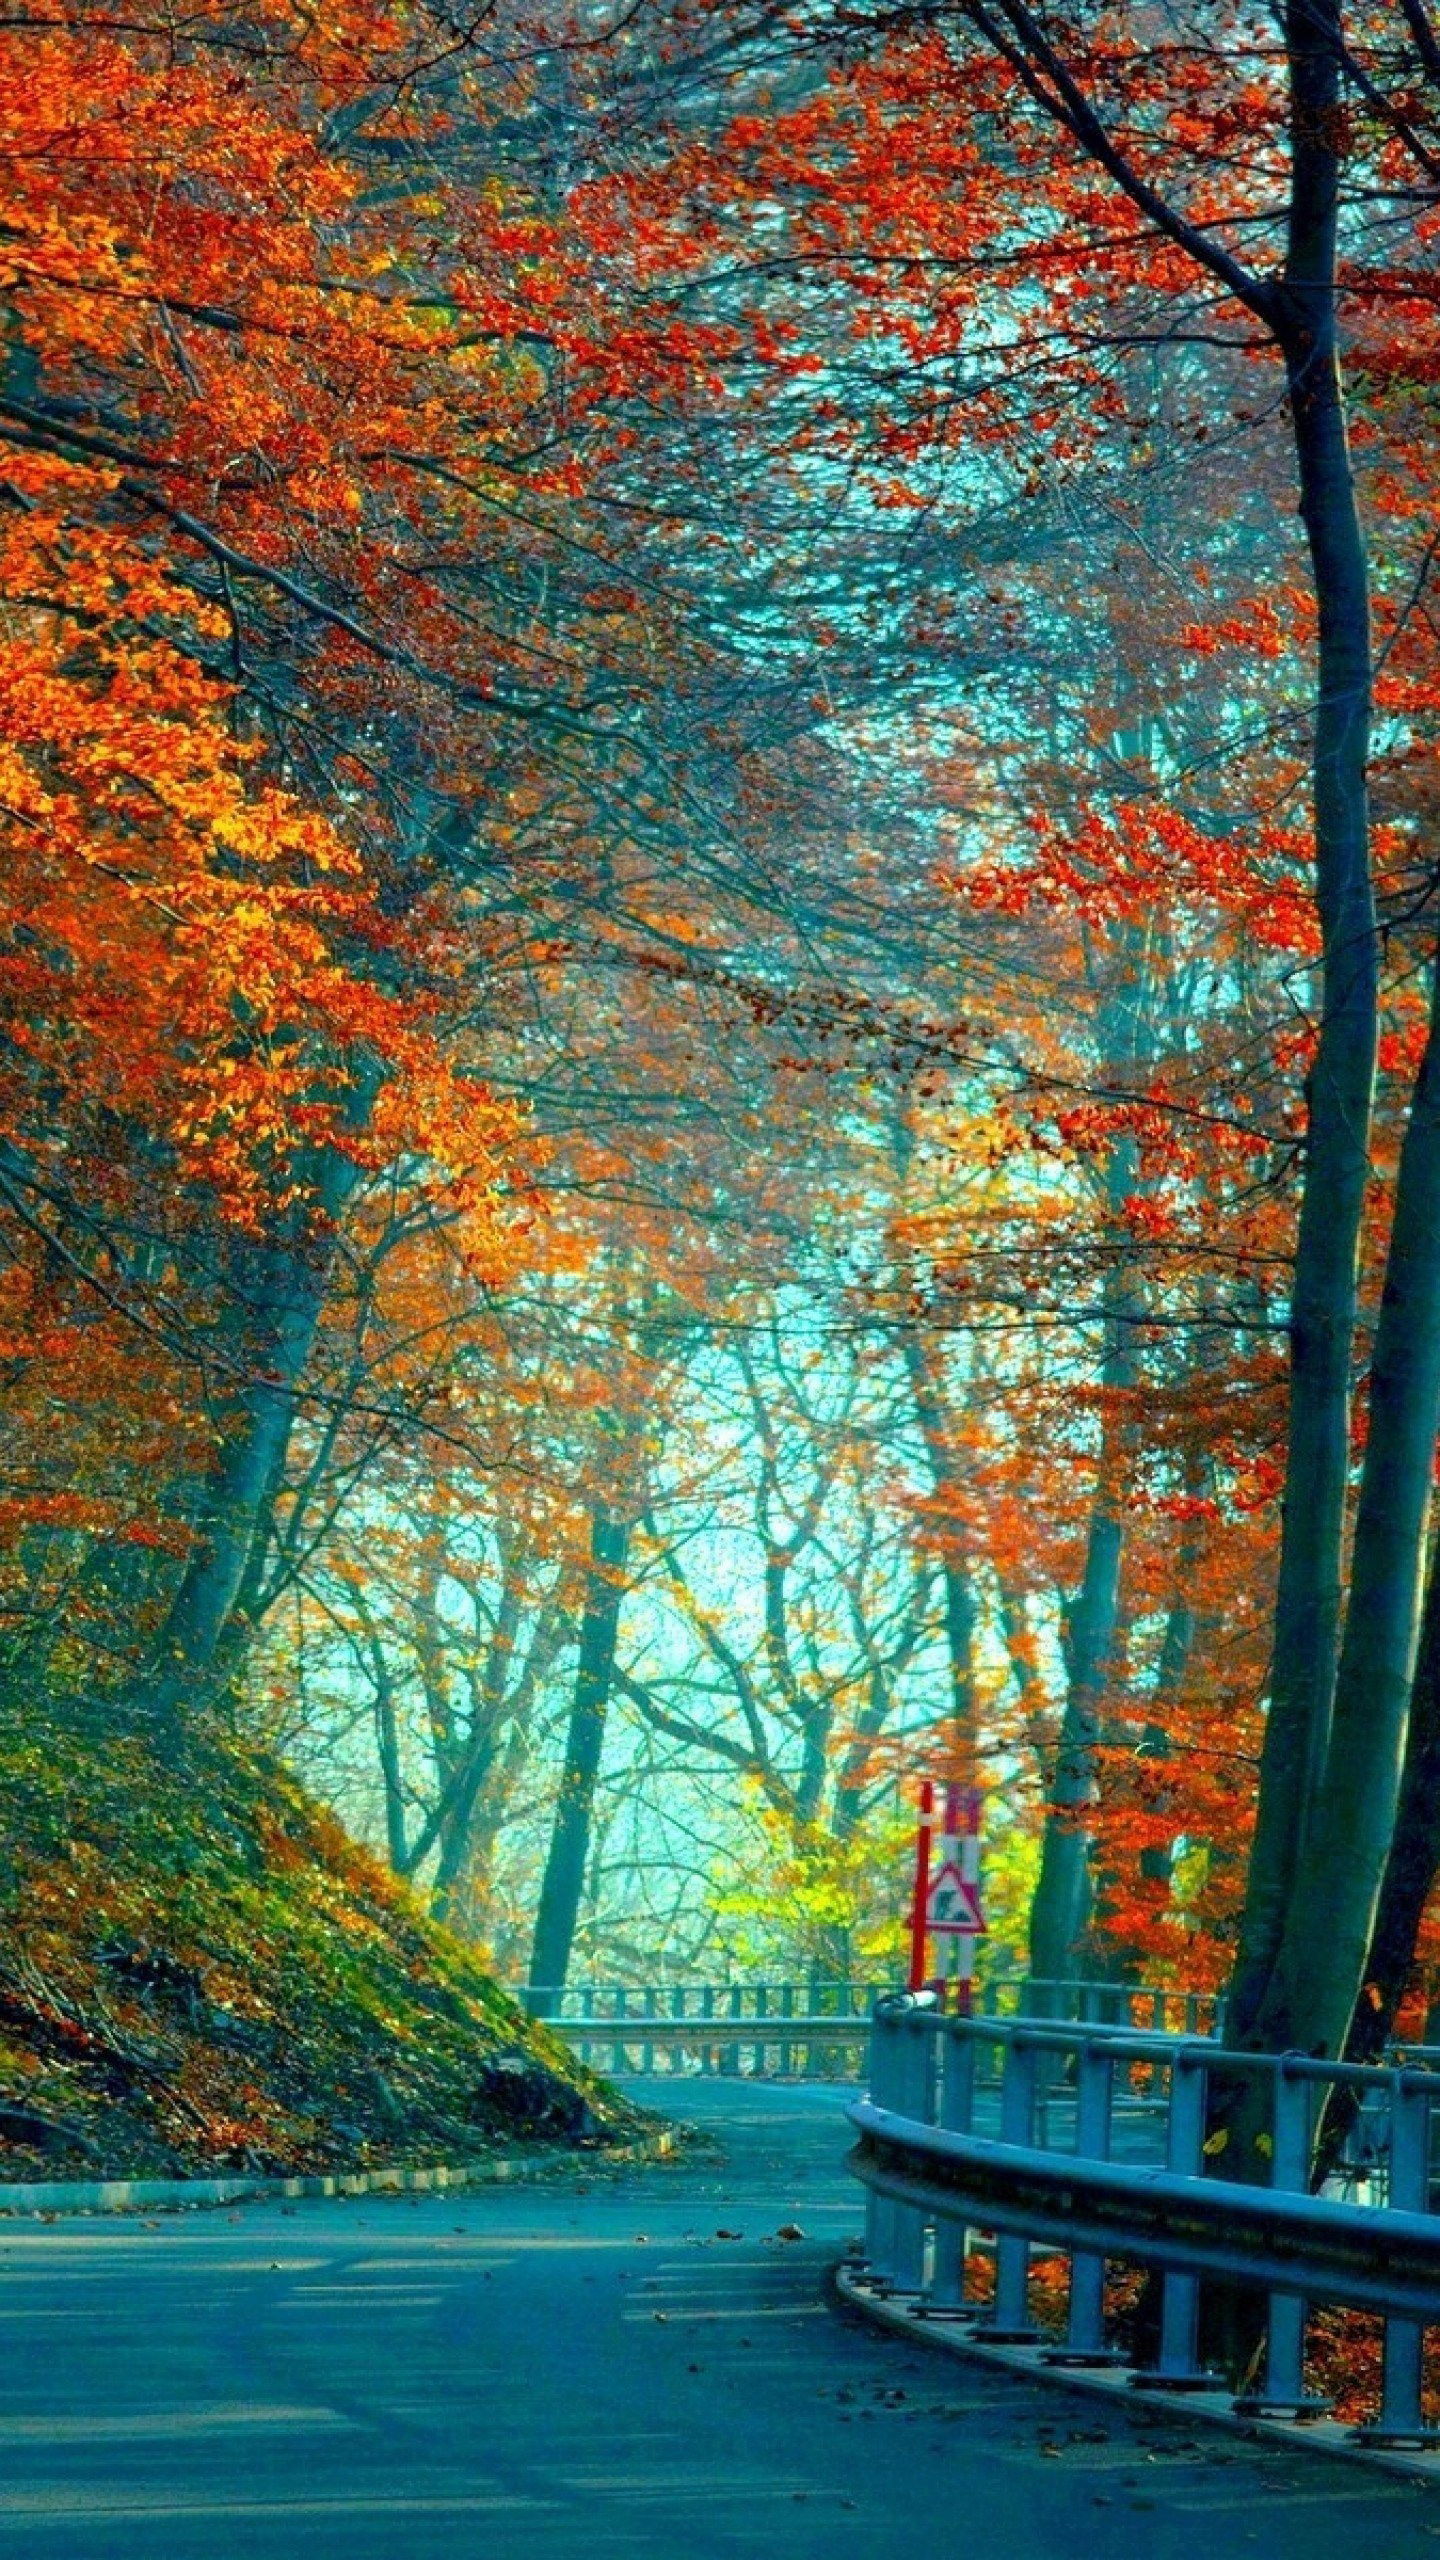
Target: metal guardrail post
{"type": "Point", "coordinates": [647, 2049]}
{"type": "Point", "coordinates": [884, 2092]}
{"type": "Point", "coordinates": [947, 2295]}
{"type": "Point", "coordinates": [1179, 2368]}
{"type": "Point", "coordinates": [915, 2099]}
{"type": "Point", "coordinates": [1010, 2324]}
{"type": "Point", "coordinates": [1401, 2421]}
{"type": "Point", "coordinates": [1085, 2323]}
{"type": "Point", "coordinates": [1283, 2394]}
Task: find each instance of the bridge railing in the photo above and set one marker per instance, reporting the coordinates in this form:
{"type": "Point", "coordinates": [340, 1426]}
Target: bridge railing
{"type": "Point", "coordinates": [1101, 2144]}
{"type": "Point", "coordinates": [788, 2026]}
{"type": "Point", "coordinates": [784, 2029]}
{"type": "Point", "coordinates": [630, 2003]}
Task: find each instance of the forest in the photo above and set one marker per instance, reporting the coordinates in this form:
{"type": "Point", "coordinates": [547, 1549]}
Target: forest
{"type": "Point", "coordinates": [719, 1057]}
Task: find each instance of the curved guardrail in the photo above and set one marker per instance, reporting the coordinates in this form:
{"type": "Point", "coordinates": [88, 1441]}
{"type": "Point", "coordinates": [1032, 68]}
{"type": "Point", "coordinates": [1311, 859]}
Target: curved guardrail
{"type": "Point", "coordinates": [1093, 2143]}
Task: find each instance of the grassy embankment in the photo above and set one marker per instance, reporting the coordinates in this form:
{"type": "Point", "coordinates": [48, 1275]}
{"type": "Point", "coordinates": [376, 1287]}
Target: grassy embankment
{"type": "Point", "coordinates": [200, 1972]}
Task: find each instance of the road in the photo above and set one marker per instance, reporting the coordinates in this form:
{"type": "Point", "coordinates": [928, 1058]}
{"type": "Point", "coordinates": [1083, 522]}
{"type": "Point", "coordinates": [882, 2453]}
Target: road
{"type": "Point", "coordinates": [557, 2372]}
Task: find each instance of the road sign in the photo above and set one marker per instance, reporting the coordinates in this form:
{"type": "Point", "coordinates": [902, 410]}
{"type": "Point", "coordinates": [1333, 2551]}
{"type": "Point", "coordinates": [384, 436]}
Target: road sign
{"type": "Point", "coordinates": [949, 1906]}
{"type": "Point", "coordinates": [953, 1908]}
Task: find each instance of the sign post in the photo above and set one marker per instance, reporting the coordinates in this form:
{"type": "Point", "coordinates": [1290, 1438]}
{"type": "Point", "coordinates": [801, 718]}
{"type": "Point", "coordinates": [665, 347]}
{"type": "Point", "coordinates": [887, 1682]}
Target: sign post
{"type": "Point", "coordinates": [920, 1901]}
{"type": "Point", "coordinates": [951, 1893]}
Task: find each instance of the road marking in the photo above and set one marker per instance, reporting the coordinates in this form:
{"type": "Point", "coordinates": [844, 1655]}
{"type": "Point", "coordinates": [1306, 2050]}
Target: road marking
{"type": "Point", "coordinates": [683, 2317]}
{"type": "Point", "coordinates": [362, 2297]}
{"type": "Point", "coordinates": [202, 2419]}
{"type": "Point", "coordinates": [21, 2507]}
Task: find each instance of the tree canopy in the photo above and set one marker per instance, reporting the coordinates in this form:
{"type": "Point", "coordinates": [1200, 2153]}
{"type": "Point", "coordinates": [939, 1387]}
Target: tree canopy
{"type": "Point", "coordinates": [718, 1040]}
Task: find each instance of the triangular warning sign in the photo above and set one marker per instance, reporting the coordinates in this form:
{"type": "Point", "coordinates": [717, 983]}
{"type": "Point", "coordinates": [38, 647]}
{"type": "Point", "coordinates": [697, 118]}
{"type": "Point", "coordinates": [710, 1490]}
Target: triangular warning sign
{"type": "Point", "coordinates": [952, 1906]}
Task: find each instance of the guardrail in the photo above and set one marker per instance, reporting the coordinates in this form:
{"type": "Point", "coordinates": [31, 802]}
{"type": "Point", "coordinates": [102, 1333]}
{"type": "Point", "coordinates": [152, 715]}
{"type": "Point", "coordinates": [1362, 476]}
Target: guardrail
{"type": "Point", "coordinates": [1093, 2144]}
{"type": "Point", "coordinates": [607, 2003]}
{"type": "Point", "coordinates": [759, 2029]}
{"type": "Point", "coordinates": [824, 2048]}
{"type": "Point", "coordinates": [782, 2026]}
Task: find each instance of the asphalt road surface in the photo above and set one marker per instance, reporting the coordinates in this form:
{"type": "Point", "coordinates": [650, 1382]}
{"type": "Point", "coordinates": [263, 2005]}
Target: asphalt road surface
{"type": "Point", "coordinates": [557, 2372]}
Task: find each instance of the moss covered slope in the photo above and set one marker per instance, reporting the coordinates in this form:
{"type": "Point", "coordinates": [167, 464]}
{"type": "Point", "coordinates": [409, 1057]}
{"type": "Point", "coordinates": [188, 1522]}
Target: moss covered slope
{"type": "Point", "coordinates": [200, 1972]}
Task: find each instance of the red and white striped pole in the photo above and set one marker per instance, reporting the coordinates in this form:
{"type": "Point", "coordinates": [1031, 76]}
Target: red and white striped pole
{"type": "Point", "coordinates": [962, 1822]}
{"type": "Point", "coordinates": [919, 1907]}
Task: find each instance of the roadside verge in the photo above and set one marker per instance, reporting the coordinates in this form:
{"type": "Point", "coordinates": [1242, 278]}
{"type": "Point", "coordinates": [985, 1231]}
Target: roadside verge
{"type": "Point", "coordinates": [129, 2195]}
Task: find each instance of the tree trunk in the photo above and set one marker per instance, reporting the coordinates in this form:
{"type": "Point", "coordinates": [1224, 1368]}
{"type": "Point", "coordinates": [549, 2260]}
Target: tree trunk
{"type": "Point", "coordinates": [283, 1284]}
{"type": "Point", "coordinates": [286, 1313]}
{"type": "Point", "coordinates": [1414, 1859]}
{"type": "Point", "coordinates": [456, 1829]}
{"type": "Point", "coordinates": [1157, 1860]}
{"type": "Point", "coordinates": [494, 1806]}
{"type": "Point", "coordinates": [957, 1579]}
{"type": "Point", "coordinates": [387, 1743]}
{"type": "Point", "coordinates": [1341, 1085]}
{"type": "Point", "coordinates": [564, 1881]}
{"type": "Point", "coordinates": [1362, 1880]}
{"type": "Point", "coordinates": [1061, 1908]}
{"type": "Point", "coordinates": [1321, 1965]}
{"type": "Point", "coordinates": [489, 1693]}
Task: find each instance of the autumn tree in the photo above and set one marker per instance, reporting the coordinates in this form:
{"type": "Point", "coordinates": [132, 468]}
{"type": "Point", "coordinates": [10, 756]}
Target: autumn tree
{"type": "Point", "coordinates": [1018, 208]}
